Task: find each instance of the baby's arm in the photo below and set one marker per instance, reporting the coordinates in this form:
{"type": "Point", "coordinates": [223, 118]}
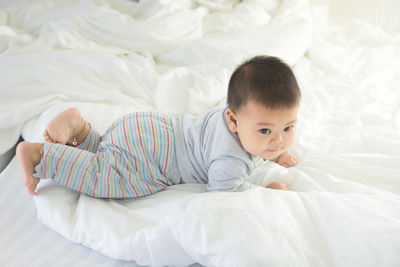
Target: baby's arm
{"type": "Point", "coordinates": [227, 175]}
{"type": "Point", "coordinates": [287, 160]}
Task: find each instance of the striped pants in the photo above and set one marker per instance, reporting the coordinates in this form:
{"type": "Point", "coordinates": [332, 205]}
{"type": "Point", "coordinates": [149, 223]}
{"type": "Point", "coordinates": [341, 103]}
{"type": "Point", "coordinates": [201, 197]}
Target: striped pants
{"type": "Point", "coordinates": [135, 157]}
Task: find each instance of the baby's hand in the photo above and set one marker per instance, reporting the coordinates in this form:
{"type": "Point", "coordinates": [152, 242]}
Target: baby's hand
{"type": "Point", "coordinates": [277, 185]}
{"type": "Point", "coordinates": [287, 160]}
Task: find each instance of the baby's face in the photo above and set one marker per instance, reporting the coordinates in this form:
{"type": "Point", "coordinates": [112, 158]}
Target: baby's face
{"type": "Point", "coordinates": [263, 132]}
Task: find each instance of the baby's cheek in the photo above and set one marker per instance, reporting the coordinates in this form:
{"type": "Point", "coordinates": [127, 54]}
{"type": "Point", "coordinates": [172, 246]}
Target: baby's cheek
{"type": "Point", "coordinates": [290, 139]}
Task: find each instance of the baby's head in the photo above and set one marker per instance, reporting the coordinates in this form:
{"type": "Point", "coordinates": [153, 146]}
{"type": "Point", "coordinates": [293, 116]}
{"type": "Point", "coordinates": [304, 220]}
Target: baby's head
{"type": "Point", "coordinates": [263, 100]}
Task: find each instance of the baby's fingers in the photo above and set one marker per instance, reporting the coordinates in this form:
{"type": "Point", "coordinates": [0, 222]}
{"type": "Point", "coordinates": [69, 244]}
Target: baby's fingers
{"type": "Point", "coordinates": [296, 160]}
{"type": "Point", "coordinates": [285, 164]}
{"type": "Point", "coordinates": [291, 162]}
{"type": "Point", "coordinates": [46, 136]}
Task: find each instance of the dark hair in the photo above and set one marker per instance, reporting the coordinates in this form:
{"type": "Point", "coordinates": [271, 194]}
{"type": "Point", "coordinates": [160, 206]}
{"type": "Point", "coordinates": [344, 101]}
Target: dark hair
{"type": "Point", "coordinates": [266, 80]}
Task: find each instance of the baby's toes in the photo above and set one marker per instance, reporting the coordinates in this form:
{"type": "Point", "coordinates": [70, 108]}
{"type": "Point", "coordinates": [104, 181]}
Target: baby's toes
{"type": "Point", "coordinates": [46, 135]}
{"type": "Point", "coordinates": [31, 185]}
{"type": "Point", "coordinates": [30, 188]}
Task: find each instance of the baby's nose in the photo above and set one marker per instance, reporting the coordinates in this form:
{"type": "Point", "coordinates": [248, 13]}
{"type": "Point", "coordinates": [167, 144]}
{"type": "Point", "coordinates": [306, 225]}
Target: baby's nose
{"type": "Point", "coordinates": [277, 139]}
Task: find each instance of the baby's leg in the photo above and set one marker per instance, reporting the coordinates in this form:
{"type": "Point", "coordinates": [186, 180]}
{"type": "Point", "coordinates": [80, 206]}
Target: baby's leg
{"type": "Point", "coordinates": [74, 168]}
{"type": "Point", "coordinates": [29, 155]}
{"type": "Point", "coordinates": [101, 175]}
{"type": "Point", "coordinates": [123, 165]}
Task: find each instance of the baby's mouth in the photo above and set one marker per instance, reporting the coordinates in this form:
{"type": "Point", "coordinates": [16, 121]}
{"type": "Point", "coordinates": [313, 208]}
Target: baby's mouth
{"type": "Point", "coordinates": [272, 150]}
{"type": "Point", "coordinates": [270, 154]}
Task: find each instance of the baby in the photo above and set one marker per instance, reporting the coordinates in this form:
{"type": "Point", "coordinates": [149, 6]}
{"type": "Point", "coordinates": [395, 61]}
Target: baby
{"type": "Point", "coordinates": [143, 153]}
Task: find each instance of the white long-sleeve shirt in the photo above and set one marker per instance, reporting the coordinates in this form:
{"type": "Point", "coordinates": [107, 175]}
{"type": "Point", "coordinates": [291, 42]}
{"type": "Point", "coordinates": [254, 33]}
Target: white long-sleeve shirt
{"type": "Point", "coordinates": [209, 153]}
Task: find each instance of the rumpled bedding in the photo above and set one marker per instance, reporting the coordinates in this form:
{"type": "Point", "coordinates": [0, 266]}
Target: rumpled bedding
{"type": "Point", "coordinates": [109, 58]}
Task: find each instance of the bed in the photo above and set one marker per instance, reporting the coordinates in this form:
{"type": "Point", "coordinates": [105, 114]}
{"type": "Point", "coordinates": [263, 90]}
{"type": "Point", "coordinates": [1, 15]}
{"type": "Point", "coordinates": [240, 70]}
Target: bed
{"type": "Point", "coordinates": [109, 58]}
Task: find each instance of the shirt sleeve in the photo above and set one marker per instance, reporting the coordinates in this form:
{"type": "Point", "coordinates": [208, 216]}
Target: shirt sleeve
{"type": "Point", "coordinates": [228, 175]}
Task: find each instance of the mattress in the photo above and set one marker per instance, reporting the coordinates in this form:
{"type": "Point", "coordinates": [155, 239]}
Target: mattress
{"type": "Point", "coordinates": [109, 58]}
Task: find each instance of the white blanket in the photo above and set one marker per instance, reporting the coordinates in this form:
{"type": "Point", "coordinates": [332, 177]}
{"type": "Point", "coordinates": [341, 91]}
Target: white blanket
{"type": "Point", "coordinates": [113, 57]}
{"type": "Point", "coordinates": [173, 56]}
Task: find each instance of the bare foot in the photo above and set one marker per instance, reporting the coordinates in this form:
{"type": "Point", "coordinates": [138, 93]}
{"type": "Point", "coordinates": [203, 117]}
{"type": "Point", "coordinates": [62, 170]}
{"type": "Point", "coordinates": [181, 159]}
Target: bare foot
{"type": "Point", "coordinates": [65, 126]}
{"type": "Point", "coordinates": [29, 156]}
{"type": "Point", "coordinates": [277, 185]}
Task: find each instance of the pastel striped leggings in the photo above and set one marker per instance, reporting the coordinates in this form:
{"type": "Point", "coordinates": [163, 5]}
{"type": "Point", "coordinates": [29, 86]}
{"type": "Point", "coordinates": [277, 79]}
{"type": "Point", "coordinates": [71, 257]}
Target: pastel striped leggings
{"type": "Point", "coordinates": [135, 157]}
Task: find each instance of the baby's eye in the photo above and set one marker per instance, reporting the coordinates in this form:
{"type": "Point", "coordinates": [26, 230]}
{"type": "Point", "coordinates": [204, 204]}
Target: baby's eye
{"type": "Point", "coordinates": [265, 131]}
{"type": "Point", "coordinates": [289, 128]}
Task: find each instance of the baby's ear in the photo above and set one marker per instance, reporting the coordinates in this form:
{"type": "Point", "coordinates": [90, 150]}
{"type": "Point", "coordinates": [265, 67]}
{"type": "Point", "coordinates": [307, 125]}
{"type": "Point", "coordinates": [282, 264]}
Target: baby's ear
{"type": "Point", "coordinates": [231, 119]}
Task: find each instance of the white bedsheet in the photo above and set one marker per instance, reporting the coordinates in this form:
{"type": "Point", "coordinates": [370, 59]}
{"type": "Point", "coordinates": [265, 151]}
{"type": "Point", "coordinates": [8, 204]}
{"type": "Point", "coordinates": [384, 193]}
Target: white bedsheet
{"type": "Point", "coordinates": [113, 57]}
{"type": "Point", "coordinates": [25, 241]}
